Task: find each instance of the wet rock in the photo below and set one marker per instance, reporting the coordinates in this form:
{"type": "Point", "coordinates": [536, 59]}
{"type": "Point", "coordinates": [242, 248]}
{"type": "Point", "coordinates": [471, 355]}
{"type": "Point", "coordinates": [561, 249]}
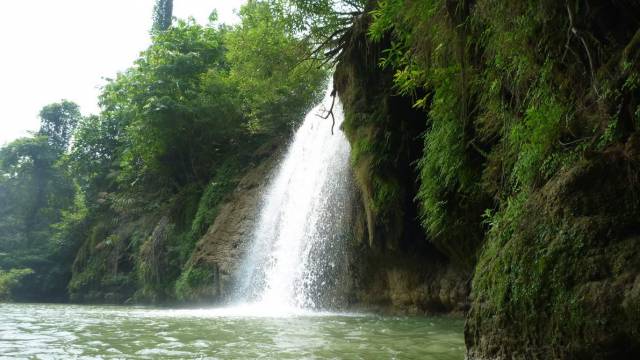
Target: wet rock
{"type": "Point", "coordinates": [225, 243]}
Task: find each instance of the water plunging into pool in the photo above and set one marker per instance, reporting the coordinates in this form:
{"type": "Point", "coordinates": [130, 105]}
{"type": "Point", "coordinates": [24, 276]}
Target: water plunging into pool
{"type": "Point", "coordinates": [296, 240]}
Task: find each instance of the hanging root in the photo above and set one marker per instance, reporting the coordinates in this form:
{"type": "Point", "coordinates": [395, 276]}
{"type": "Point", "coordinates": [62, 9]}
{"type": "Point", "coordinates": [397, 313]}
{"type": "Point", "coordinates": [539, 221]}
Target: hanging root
{"type": "Point", "coordinates": [572, 31]}
{"type": "Point", "coordinates": [330, 111]}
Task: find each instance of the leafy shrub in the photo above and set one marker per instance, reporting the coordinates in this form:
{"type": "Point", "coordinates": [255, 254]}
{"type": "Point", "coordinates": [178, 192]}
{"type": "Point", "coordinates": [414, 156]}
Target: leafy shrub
{"type": "Point", "coordinates": [9, 280]}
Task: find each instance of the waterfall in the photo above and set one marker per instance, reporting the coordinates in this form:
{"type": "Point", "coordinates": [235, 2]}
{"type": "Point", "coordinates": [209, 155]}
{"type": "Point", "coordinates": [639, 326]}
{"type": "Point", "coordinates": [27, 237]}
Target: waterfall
{"type": "Point", "coordinates": [296, 244]}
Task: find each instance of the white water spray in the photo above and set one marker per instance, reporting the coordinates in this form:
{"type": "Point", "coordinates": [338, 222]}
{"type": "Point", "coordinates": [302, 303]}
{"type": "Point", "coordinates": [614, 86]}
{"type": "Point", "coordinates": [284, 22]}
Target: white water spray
{"type": "Point", "coordinates": [296, 239]}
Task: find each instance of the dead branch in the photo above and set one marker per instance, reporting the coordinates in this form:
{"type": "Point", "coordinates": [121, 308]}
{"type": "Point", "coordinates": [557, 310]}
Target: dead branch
{"type": "Point", "coordinates": [330, 111]}
{"type": "Point", "coordinates": [331, 38]}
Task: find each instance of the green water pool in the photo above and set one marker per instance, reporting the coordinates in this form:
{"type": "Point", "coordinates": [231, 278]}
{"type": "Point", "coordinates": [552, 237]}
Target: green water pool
{"type": "Point", "coordinates": [38, 331]}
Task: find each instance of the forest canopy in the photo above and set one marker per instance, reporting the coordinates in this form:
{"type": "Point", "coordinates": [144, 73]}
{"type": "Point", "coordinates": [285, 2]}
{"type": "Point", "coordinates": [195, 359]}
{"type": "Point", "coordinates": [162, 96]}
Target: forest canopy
{"type": "Point", "coordinates": [80, 198]}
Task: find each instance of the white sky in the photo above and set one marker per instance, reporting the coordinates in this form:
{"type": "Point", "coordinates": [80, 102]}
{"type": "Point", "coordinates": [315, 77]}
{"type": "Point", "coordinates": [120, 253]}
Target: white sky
{"type": "Point", "coordinates": [53, 50]}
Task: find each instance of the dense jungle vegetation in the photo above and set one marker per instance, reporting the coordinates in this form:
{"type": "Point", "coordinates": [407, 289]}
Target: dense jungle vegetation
{"type": "Point", "coordinates": [108, 207]}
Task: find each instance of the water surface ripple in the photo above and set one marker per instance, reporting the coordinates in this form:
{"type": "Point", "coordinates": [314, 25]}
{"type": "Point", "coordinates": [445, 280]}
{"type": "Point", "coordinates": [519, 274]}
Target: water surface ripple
{"type": "Point", "coordinates": [35, 331]}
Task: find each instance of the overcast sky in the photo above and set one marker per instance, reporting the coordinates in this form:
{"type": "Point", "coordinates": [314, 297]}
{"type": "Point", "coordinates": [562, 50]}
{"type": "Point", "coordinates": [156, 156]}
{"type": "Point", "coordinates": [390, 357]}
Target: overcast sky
{"type": "Point", "coordinates": [53, 50]}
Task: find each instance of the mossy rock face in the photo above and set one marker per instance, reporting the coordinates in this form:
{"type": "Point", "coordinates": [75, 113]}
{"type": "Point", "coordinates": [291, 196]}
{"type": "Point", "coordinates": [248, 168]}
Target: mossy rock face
{"type": "Point", "coordinates": [387, 135]}
{"type": "Point", "coordinates": [368, 124]}
{"type": "Point", "coordinates": [528, 165]}
{"type": "Point", "coordinates": [211, 273]}
{"type": "Point", "coordinates": [384, 130]}
{"type": "Point", "coordinates": [396, 282]}
{"type": "Point", "coordinates": [394, 268]}
{"type": "Point", "coordinates": [198, 283]}
{"type": "Point", "coordinates": [562, 279]}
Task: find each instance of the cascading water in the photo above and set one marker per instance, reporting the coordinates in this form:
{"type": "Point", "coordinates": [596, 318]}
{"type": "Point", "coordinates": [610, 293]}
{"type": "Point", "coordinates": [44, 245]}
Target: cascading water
{"type": "Point", "coordinates": [296, 244]}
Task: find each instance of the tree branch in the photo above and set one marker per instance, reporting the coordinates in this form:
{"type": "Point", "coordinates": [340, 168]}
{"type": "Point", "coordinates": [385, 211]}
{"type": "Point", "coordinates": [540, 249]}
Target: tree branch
{"type": "Point", "coordinates": [330, 111]}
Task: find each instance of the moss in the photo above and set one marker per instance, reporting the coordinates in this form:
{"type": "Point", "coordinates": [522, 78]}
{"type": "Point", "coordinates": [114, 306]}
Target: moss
{"type": "Point", "coordinates": [196, 283]}
{"type": "Point", "coordinates": [559, 270]}
{"type": "Point", "coordinates": [223, 181]}
{"type": "Point", "coordinates": [527, 133]}
{"type": "Point", "coordinates": [384, 133]}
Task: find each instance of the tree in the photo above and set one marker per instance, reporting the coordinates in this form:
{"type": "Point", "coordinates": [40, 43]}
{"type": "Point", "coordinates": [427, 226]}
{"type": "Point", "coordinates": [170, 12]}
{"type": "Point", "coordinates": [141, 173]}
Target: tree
{"type": "Point", "coordinates": [162, 15]}
{"type": "Point", "coordinates": [58, 121]}
{"type": "Point", "coordinates": [268, 66]}
{"type": "Point", "coordinates": [325, 24]}
{"type": "Point", "coordinates": [93, 159]}
{"type": "Point", "coordinates": [35, 191]}
{"type": "Point", "coordinates": [174, 134]}
{"type": "Point", "coordinates": [27, 165]}
{"type": "Point", "coordinates": [173, 121]}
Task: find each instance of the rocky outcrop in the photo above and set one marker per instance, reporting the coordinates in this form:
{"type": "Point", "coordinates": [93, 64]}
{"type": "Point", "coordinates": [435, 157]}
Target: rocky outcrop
{"type": "Point", "coordinates": [393, 267]}
{"type": "Point", "coordinates": [211, 273]}
{"type": "Point", "coordinates": [397, 282]}
{"type": "Point", "coordinates": [564, 285]}
{"type": "Point", "coordinates": [528, 184]}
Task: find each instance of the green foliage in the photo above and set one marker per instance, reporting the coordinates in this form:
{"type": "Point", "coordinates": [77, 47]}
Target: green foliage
{"type": "Point", "coordinates": [322, 23]}
{"type": "Point", "coordinates": [220, 185]}
{"type": "Point", "coordinates": [152, 262]}
{"type": "Point", "coordinates": [165, 89]}
{"type": "Point", "coordinates": [443, 167]}
{"type": "Point", "coordinates": [384, 18]}
{"type": "Point", "coordinates": [509, 101]}
{"type": "Point", "coordinates": [195, 283]}
{"type": "Point", "coordinates": [547, 266]}
{"type": "Point", "coordinates": [220, 86]}
{"type": "Point", "coordinates": [267, 68]}
{"type": "Point", "coordinates": [533, 139]}
{"type": "Point", "coordinates": [520, 98]}
{"type": "Point", "coordinates": [425, 50]}
{"type": "Point", "coordinates": [58, 122]}
{"type": "Point", "coordinates": [71, 219]}
{"type": "Point", "coordinates": [9, 280]}
{"type": "Point", "coordinates": [493, 80]}
{"type": "Point", "coordinates": [162, 15]}
{"type": "Point", "coordinates": [175, 132]}
{"type": "Point", "coordinates": [93, 158]}
{"type": "Point", "coordinates": [37, 193]}
{"type": "Point", "coordinates": [142, 180]}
